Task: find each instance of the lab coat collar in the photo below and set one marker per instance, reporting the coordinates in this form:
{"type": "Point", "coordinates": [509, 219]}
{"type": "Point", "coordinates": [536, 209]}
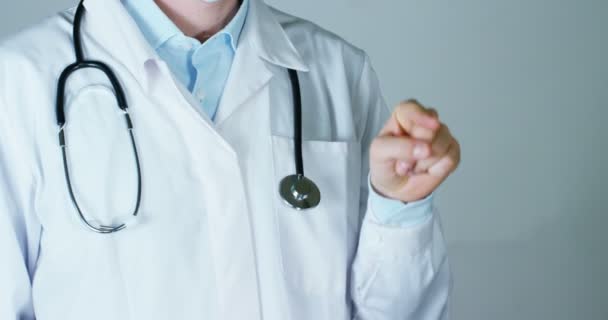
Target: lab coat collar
{"type": "Point", "coordinates": [270, 39]}
{"type": "Point", "coordinates": [111, 26]}
{"type": "Point", "coordinates": [108, 24]}
{"type": "Point", "coordinates": [263, 51]}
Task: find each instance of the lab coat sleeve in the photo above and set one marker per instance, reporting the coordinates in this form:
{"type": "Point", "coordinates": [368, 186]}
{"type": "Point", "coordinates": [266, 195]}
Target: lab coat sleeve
{"type": "Point", "coordinates": [399, 272]}
{"type": "Point", "coordinates": [388, 211]}
{"type": "Point", "coordinates": [19, 228]}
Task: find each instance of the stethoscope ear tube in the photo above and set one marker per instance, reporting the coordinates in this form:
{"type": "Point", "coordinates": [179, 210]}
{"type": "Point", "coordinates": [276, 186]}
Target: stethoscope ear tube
{"type": "Point", "coordinates": [121, 101]}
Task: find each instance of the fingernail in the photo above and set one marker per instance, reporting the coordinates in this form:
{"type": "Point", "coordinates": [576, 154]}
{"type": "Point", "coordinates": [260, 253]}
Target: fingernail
{"type": "Point", "coordinates": [420, 151]}
{"type": "Point", "coordinates": [403, 168]}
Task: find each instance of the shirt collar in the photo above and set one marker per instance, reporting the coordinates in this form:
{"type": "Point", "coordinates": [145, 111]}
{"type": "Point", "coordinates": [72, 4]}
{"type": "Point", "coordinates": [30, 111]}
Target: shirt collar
{"type": "Point", "coordinates": [157, 28]}
{"type": "Point", "coordinates": [235, 26]}
{"type": "Point", "coordinates": [108, 27]}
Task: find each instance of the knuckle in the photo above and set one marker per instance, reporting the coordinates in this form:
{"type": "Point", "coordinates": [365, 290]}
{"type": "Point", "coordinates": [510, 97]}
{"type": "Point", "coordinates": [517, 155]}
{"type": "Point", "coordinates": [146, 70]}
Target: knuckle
{"type": "Point", "coordinates": [440, 136]}
{"type": "Point", "coordinates": [434, 112]}
{"type": "Point", "coordinates": [451, 164]}
{"type": "Point", "coordinates": [442, 131]}
{"type": "Point", "coordinates": [412, 101]}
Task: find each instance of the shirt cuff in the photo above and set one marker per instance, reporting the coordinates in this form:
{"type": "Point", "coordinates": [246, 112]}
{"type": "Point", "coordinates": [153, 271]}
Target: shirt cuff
{"type": "Point", "coordinates": [393, 212]}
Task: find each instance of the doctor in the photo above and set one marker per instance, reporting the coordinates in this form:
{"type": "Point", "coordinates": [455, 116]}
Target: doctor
{"type": "Point", "coordinates": [213, 107]}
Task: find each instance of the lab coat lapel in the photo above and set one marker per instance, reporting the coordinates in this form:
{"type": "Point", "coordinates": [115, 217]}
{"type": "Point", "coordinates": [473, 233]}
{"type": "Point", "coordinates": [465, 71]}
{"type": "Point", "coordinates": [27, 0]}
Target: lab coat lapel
{"type": "Point", "coordinates": [247, 76]}
{"type": "Point", "coordinates": [263, 41]}
{"type": "Point", "coordinates": [231, 253]}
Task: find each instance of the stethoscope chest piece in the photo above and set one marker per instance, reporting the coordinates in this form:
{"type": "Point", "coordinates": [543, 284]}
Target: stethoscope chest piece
{"type": "Point", "coordinates": [299, 192]}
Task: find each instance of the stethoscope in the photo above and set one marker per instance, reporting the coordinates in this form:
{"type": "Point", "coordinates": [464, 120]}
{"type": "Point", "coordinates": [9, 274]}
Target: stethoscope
{"type": "Point", "coordinates": [296, 190]}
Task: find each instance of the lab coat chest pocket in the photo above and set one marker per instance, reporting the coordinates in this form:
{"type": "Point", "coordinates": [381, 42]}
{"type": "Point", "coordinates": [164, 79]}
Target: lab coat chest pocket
{"type": "Point", "coordinates": [317, 244]}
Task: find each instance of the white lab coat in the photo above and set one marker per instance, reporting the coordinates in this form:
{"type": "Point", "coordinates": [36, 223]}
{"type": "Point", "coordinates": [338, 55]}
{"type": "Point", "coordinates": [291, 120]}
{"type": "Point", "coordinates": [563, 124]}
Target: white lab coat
{"type": "Point", "coordinates": [214, 240]}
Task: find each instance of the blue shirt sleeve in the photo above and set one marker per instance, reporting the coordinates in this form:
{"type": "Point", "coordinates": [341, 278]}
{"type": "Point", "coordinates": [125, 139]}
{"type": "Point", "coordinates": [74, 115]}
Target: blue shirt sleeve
{"type": "Point", "coordinates": [393, 212]}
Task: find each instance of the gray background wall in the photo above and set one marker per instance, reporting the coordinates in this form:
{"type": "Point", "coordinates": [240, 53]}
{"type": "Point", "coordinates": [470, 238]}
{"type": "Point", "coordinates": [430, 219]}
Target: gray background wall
{"type": "Point", "coordinates": [524, 85]}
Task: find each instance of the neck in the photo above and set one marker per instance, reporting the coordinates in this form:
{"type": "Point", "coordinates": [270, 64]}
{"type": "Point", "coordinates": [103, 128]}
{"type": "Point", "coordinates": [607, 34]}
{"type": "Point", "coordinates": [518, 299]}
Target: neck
{"type": "Point", "coordinates": [199, 19]}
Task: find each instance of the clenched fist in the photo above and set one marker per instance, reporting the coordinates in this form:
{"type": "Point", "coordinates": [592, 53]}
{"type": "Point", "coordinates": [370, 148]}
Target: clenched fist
{"type": "Point", "coordinates": [413, 153]}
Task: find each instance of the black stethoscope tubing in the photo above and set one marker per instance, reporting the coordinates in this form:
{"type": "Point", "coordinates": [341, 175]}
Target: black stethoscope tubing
{"type": "Point", "coordinates": [296, 190]}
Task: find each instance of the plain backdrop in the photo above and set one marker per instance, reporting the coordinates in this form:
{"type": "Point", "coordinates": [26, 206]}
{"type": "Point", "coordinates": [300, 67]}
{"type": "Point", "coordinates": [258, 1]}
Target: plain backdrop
{"type": "Point", "coordinates": [524, 85]}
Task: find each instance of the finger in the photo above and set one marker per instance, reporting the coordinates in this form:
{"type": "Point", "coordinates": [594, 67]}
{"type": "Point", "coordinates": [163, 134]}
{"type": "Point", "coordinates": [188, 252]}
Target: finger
{"type": "Point", "coordinates": [389, 148]}
{"type": "Point", "coordinates": [392, 128]}
{"type": "Point", "coordinates": [421, 184]}
{"type": "Point", "coordinates": [416, 120]}
{"type": "Point", "coordinates": [442, 141]}
{"type": "Point", "coordinates": [433, 112]}
{"type": "Point", "coordinates": [423, 166]}
{"type": "Point", "coordinates": [448, 163]}
{"type": "Point", "coordinates": [424, 133]}
{"type": "Point", "coordinates": [406, 117]}
{"type": "Point", "coordinates": [411, 113]}
{"type": "Point", "coordinates": [404, 168]}
{"type": "Point", "coordinates": [439, 148]}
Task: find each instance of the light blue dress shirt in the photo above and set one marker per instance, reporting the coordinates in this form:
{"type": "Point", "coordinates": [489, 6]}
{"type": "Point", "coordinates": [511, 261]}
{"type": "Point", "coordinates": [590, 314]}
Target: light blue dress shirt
{"type": "Point", "coordinates": [204, 68]}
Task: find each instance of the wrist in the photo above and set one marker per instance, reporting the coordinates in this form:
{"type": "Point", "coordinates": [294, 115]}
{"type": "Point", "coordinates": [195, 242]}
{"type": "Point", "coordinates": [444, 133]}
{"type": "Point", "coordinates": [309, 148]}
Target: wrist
{"type": "Point", "coordinates": [399, 195]}
{"type": "Point", "coordinates": [391, 212]}
{"type": "Point", "coordinates": [381, 193]}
